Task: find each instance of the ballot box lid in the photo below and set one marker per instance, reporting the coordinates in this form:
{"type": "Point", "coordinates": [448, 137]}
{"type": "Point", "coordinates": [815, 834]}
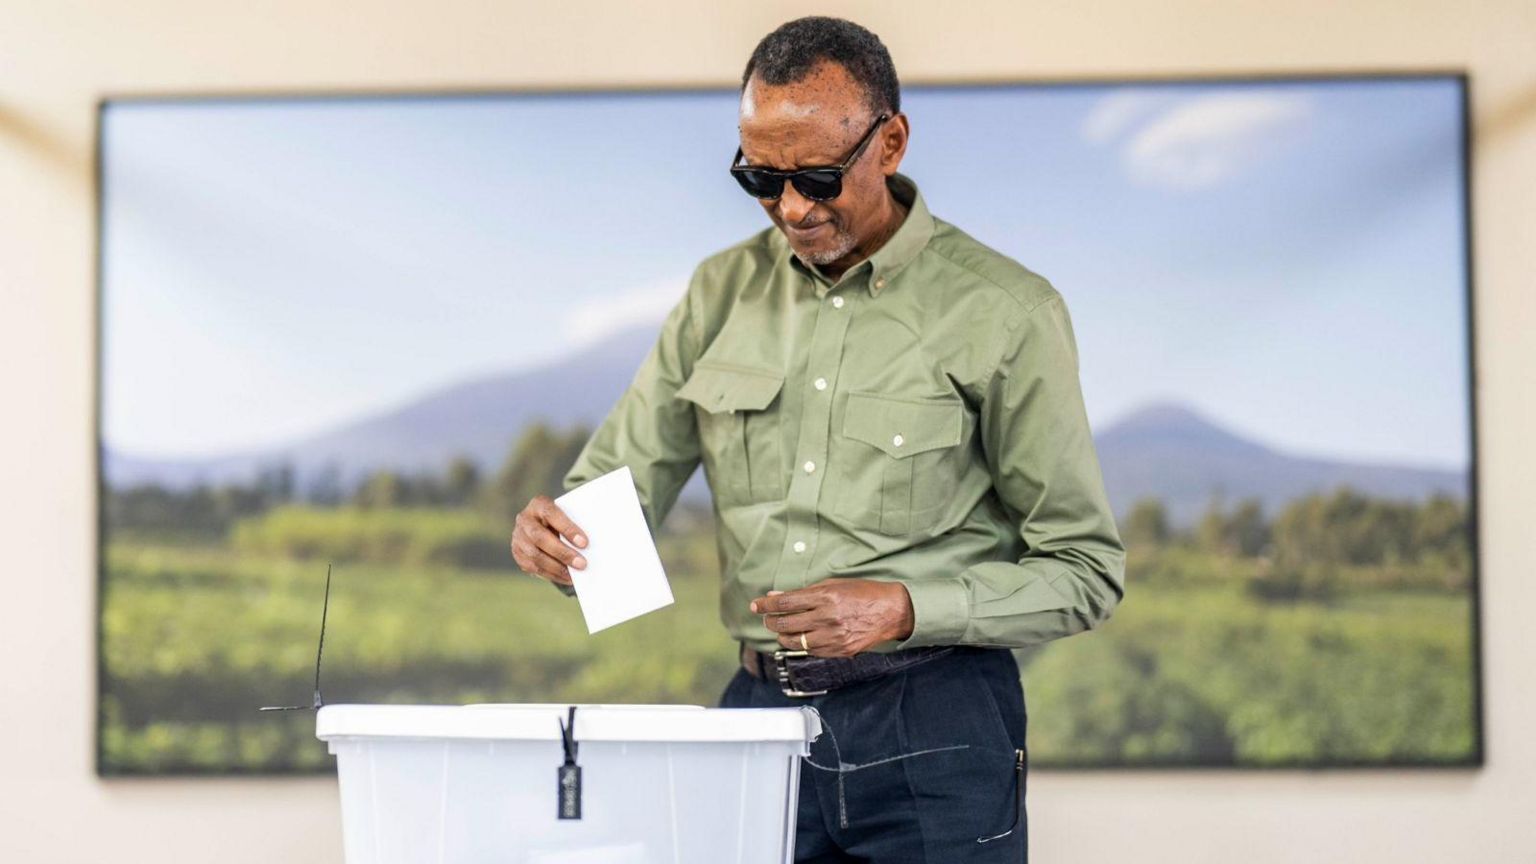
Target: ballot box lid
{"type": "Point", "coordinates": [593, 722]}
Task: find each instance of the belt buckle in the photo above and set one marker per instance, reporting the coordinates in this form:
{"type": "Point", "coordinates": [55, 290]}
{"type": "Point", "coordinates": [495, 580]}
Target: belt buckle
{"type": "Point", "coordinates": [781, 671]}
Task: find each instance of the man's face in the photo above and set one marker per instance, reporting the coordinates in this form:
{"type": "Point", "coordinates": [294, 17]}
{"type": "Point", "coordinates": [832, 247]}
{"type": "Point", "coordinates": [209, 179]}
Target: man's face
{"type": "Point", "coordinates": [817, 122]}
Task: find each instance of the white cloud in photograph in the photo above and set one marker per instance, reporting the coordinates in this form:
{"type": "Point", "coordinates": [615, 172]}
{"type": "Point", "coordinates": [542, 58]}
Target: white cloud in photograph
{"type": "Point", "coordinates": [596, 318]}
{"type": "Point", "coordinates": [1119, 110]}
{"type": "Point", "coordinates": [1193, 143]}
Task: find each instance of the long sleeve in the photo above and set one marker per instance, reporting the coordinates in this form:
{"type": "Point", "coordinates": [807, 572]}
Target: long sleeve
{"type": "Point", "coordinates": [1034, 429]}
{"type": "Point", "coordinates": [647, 429]}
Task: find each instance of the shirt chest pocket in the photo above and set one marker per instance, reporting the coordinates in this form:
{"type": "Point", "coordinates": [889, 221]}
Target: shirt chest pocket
{"type": "Point", "coordinates": [739, 429]}
{"type": "Point", "coordinates": [900, 460]}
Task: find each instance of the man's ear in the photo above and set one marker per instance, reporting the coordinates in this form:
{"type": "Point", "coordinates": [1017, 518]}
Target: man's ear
{"type": "Point", "coordinates": [893, 143]}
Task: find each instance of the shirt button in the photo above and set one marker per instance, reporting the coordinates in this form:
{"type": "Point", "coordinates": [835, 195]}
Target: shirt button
{"type": "Point", "coordinates": [837, 302]}
{"type": "Point", "coordinates": [809, 467]}
{"type": "Point", "coordinates": [799, 546]}
{"type": "Point", "coordinates": [821, 383]}
{"type": "Point", "coordinates": [880, 283]}
{"type": "Point", "coordinates": [898, 440]}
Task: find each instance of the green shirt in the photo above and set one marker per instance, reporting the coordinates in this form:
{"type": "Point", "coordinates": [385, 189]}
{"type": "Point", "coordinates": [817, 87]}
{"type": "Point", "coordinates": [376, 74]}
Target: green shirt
{"type": "Point", "coordinates": [917, 419]}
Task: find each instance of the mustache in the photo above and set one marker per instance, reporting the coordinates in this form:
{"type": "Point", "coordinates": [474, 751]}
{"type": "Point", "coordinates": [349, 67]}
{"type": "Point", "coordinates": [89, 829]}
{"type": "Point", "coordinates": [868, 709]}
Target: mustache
{"type": "Point", "coordinates": [805, 225]}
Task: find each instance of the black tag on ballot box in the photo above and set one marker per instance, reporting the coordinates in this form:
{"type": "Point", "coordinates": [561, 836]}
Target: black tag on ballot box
{"type": "Point", "coordinates": [569, 789]}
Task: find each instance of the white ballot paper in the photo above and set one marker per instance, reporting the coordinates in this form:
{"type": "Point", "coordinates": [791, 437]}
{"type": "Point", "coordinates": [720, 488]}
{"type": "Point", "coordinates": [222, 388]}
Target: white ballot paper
{"type": "Point", "coordinates": [623, 578]}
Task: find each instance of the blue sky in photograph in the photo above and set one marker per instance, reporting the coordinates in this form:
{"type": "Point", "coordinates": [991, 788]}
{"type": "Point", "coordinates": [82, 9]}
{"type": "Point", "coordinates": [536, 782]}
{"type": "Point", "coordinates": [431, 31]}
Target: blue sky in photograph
{"type": "Point", "coordinates": [1284, 257]}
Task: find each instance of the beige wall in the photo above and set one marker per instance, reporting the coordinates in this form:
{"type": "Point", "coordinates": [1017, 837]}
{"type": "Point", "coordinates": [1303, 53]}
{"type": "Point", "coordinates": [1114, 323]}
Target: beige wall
{"type": "Point", "coordinates": [57, 57]}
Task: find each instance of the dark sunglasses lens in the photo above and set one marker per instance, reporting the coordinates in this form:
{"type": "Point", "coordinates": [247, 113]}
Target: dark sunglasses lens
{"type": "Point", "coordinates": [759, 184]}
{"type": "Point", "coordinates": [819, 185]}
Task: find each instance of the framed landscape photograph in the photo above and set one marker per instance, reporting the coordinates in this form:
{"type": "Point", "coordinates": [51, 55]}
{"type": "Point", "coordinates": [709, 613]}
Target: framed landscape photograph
{"type": "Point", "coordinates": [361, 331]}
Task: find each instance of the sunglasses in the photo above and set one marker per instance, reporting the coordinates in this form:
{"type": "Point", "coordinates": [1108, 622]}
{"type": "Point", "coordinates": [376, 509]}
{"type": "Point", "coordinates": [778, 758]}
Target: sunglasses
{"type": "Point", "coordinates": [817, 184]}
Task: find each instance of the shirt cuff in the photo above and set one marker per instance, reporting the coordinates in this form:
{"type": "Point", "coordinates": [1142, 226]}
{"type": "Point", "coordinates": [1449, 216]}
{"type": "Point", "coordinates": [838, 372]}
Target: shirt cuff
{"type": "Point", "coordinates": [941, 612]}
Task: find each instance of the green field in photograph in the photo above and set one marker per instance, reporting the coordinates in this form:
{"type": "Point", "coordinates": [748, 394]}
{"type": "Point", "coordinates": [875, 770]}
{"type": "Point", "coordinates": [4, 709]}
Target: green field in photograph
{"type": "Point", "coordinates": [1196, 667]}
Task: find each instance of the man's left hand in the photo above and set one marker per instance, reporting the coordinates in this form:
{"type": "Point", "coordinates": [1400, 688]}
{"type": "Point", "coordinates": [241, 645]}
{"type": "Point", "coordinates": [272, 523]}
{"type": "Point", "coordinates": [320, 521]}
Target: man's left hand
{"type": "Point", "coordinates": [839, 617]}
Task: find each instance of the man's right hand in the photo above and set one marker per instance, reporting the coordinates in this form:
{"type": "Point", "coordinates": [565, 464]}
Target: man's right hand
{"type": "Point", "coordinates": [536, 544]}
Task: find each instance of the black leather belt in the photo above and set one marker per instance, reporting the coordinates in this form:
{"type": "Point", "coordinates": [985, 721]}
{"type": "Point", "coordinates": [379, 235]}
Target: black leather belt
{"type": "Point", "coordinates": [799, 674]}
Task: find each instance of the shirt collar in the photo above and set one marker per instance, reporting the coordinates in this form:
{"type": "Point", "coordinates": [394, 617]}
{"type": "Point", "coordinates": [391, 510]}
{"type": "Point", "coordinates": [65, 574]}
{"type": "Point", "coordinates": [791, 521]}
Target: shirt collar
{"type": "Point", "coordinates": [903, 246]}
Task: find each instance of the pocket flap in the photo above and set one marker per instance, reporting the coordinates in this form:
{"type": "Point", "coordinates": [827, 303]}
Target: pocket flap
{"type": "Point", "coordinates": [716, 386]}
{"type": "Point", "coordinates": [903, 427]}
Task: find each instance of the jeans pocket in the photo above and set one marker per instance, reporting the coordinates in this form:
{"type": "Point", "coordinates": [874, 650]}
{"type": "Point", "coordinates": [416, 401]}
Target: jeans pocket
{"type": "Point", "coordinates": [965, 790]}
{"type": "Point", "coordinates": [997, 676]}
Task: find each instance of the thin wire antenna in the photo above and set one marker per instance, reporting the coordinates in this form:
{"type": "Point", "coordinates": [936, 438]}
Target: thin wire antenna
{"type": "Point", "coordinates": [325, 610]}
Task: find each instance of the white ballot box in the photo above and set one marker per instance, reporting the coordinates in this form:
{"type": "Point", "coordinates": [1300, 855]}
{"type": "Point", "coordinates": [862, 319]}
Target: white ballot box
{"type": "Point", "coordinates": [654, 784]}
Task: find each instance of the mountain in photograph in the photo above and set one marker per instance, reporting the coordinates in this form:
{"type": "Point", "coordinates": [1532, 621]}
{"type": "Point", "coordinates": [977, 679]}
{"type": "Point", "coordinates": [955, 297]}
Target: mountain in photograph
{"type": "Point", "coordinates": [1163, 450]}
{"type": "Point", "coordinates": [1168, 451]}
{"type": "Point", "coordinates": [479, 419]}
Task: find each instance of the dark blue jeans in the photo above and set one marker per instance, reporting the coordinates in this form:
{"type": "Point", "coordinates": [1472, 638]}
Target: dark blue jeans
{"type": "Point", "coordinates": [927, 756]}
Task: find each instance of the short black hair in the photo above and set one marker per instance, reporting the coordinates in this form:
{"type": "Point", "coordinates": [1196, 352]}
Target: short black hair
{"type": "Point", "coordinates": [789, 53]}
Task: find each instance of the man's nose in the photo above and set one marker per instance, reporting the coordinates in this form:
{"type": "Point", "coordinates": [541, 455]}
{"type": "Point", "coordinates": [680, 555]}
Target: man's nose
{"type": "Point", "coordinates": [794, 207]}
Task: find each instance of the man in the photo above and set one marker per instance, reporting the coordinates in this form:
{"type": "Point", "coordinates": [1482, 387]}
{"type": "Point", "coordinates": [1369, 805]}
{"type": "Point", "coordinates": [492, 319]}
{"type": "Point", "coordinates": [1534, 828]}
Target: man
{"type": "Point", "coordinates": [890, 420]}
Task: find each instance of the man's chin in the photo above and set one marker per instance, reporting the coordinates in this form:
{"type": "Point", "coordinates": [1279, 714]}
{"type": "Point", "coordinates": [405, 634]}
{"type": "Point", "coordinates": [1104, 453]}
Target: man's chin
{"type": "Point", "coordinates": [817, 255]}
{"type": "Point", "coordinates": [809, 256]}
